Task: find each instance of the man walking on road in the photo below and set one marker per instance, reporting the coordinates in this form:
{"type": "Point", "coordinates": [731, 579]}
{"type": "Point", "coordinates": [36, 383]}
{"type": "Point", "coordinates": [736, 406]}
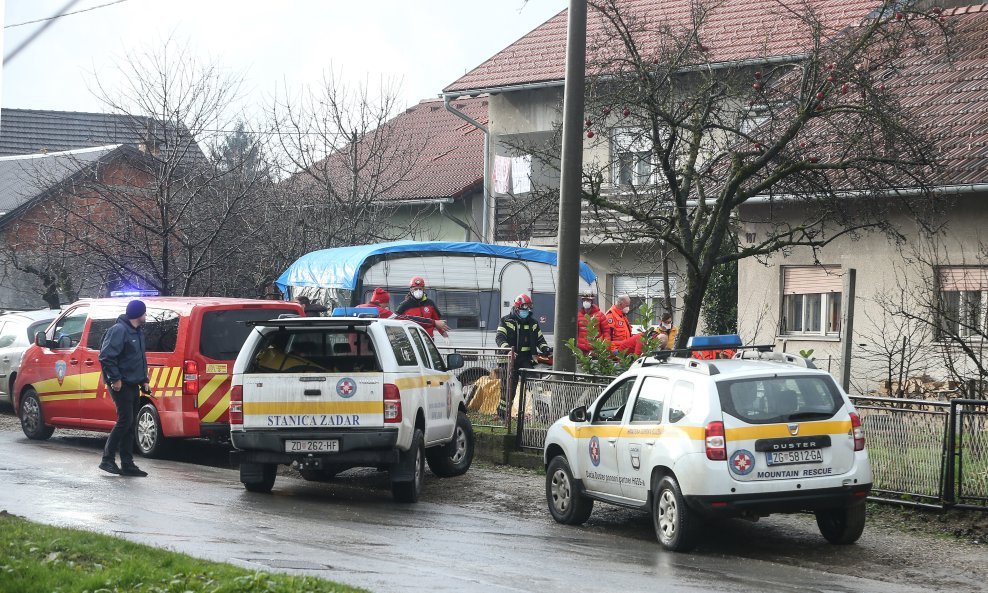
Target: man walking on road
{"type": "Point", "coordinates": [125, 370]}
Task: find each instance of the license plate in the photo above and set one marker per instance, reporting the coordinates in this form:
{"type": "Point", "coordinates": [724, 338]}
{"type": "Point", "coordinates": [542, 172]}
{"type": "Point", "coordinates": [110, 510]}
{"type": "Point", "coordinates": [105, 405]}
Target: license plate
{"type": "Point", "coordinates": [802, 456]}
{"type": "Point", "coordinates": [313, 446]}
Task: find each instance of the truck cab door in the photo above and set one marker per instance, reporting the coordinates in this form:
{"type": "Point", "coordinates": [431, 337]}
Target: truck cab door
{"type": "Point", "coordinates": [440, 407]}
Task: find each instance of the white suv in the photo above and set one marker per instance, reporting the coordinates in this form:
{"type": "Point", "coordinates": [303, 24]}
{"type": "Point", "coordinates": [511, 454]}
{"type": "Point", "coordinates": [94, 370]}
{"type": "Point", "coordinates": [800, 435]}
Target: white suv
{"type": "Point", "coordinates": [688, 440]}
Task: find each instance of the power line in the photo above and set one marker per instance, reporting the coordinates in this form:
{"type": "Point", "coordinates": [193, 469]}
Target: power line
{"type": "Point", "coordinates": [56, 16]}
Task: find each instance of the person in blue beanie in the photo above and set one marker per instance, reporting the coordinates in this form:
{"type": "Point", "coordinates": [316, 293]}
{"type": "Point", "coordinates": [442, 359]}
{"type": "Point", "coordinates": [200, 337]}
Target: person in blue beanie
{"type": "Point", "coordinates": [125, 370]}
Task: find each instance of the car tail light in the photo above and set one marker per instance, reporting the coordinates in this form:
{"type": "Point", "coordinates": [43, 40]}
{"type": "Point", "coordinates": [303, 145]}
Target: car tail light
{"type": "Point", "coordinates": [857, 432]}
{"type": "Point", "coordinates": [715, 441]}
{"type": "Point", "coordinates": [190, 382]}
{"type": "Point", "coordinates": [392, 403]}
{"type": "Point", "coordinates": [237, 405]}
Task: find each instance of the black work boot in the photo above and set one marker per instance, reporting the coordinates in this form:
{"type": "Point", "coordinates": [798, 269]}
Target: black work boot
{"type": "Point", "coordinates": [110, 467]}
{"type": "Point", "coordinates": [133, 470]}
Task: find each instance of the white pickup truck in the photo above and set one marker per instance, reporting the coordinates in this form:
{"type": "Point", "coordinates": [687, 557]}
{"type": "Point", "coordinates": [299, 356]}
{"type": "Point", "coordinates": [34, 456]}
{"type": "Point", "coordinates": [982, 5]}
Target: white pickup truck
{"type": "Point", "coordinates": [327, 394]}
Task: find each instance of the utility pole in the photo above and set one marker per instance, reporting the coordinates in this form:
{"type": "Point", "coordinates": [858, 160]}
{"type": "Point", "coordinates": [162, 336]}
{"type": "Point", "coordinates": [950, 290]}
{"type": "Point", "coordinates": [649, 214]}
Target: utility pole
{"type": "Point", "coordinates": [570, 186]}
{"type": "Point", "coordinates": [848, 331]}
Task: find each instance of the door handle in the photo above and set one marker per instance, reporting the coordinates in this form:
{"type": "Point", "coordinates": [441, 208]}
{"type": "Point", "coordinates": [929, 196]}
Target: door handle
{"type": "Point", "coordinates": [650, 443]}
{"type": "Point", "coordinates": [73, 361]}
{"type": "Point", "coordinates": [428, 382]}
{"type": "Point", "coordinates": [612, 441]}
{"type": "Point", "coordinates": [441, 383]}
{"type": "Point", "coordinates": [89, 362]}
{"type": "Point", "coordinates": [313, 392]}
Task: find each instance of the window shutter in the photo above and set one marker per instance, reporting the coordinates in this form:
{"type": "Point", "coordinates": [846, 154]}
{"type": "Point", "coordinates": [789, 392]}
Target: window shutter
{"type": "Point", "coordinates": [642, 286]}
{"type": "Point", "coordinates": [960, 278]}
{"type": "Point", "coordinates": [812, 279]}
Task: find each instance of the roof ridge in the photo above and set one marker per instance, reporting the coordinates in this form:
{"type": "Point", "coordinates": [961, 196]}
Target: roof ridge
{"type": "Point", "coordinates": [967, 9]}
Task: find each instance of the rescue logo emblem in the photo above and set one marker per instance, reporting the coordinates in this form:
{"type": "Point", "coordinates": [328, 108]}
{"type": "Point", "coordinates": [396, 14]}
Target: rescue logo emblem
{"type": "Point", "coordinates": [636, 456]}
{"type": "Point", "coordinates": [346, 387]}
{"type": "Point", "coordinates": [60, 371]}
{"type": "Point", "coordinates": [595, 451]}
{"type": "Point", "coordinates": [742, 462]}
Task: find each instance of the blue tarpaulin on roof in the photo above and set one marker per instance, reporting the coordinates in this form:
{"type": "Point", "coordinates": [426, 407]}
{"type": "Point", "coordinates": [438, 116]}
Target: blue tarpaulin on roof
{"type": "Point", "coordinates": [339, 268]}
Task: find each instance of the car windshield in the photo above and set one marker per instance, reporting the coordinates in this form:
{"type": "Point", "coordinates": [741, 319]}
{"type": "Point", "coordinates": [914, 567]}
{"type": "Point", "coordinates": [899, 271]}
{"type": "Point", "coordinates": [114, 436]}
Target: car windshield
{"type": "Point", "coordinates": [224, 332]}
{"type": "Point", "coordinates": [767, 400]}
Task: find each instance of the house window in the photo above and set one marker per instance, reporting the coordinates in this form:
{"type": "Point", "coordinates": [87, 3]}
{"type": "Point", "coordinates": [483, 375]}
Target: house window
{"type": "Point", "coordinates": [811, 301]}
{"type": "Point", "coordinates": [644, 288]}
{"type": "Point", "coordinates": [632, 157]}
{"type": "Point", "coordinates": [963, 301]}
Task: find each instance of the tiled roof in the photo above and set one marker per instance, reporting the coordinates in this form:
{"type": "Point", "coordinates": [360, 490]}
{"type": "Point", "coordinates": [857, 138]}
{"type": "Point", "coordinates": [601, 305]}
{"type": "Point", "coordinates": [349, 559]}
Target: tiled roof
{"type": "Point", "coordinates": [735, 30]}
{"type": "Point", "coordinates": [30, 131]}
{"type": "Point", "coordinates": [449, 159]}
{"type": "Point", "coordinates": [949, 93]}
{"type": "Point", "coordinates": [22, 178]}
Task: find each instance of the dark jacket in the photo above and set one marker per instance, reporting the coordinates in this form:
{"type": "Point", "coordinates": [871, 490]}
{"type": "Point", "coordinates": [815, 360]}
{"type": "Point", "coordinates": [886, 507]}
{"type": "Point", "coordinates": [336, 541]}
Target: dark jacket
{"type": "Point", "coordinates": [122, 353]}
{"type": "Point", "coordinates": [523, 335]}
{"type": "Point", "coordinates": [422, 311]}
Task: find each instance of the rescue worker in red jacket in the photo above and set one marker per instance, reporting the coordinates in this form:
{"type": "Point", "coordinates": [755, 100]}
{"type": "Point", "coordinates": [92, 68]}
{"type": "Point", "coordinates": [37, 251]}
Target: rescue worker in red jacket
{"type": "Point", "coordinates": [380, 301]}
{"type": "Point", "coordinates": [418, 305]}
{"type": "Point", "coordinates": [588, 310]}
{"type": "Point", "coordinates": [618, 328]}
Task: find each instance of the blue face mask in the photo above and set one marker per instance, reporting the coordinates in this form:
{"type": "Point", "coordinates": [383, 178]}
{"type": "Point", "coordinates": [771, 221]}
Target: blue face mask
{"type": "Point", "coordinates": [523, 313]}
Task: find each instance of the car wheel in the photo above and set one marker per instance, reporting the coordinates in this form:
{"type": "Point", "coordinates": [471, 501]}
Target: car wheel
{"type": "Point", "coordinates": [409, 490]}
{"type": "Point", "coordinates": [566, 504]}
{"type": "Point", "coordinates": [842, 526]}
{"type": "Point", "coordinates": [677, 527]}
{"type": "Point", "coordinates": [454, 458]}
{"type": "Point", "coordinates": [147, 432]}
{"type": "Point", "coordinates": [251, 471]}
{"type": "Point", "coordinates": [32, 419]}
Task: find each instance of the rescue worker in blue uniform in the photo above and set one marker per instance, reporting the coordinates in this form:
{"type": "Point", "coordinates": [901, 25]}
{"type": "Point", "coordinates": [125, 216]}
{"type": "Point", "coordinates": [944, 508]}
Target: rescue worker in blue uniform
{"type": "Point", "coordinates": [520, 333]}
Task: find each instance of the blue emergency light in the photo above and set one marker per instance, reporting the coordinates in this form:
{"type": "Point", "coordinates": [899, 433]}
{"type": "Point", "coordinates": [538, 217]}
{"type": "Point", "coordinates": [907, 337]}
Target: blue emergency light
{"type": "Point", "coordinates": [134, 293]}
{"type": "Point", "coordinates": [355, 312]}
{"type": "Point", "coordinates": [714, 342]}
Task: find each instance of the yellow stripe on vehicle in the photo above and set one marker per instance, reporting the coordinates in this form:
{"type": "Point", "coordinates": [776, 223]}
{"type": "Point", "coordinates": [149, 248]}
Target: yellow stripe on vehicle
{"type": "Point", "coordinates": [768, 431]}
{"type": "Point", "coordinates": [153, 377]}
{"type": "Point", "coordinates": [664, 431]}
{"type": "Point", "coordinates": [420, 382]}
{"type": "Point", "coordinates": [282, 408]}
{"type": "Point", "coordinates": [176, 377]}
{"type": "Point", "coordinates": [67, 396]}
{"type": "Point", "coordinates": [208, 389]}
{"type": "Point", "coordinates": [217, 411]}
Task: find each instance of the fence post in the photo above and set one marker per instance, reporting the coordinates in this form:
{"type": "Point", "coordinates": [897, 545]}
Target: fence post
{"type": "Point", "coordinates": [949, 494]}
{"type": "Point", "coordinates": [523, 380]}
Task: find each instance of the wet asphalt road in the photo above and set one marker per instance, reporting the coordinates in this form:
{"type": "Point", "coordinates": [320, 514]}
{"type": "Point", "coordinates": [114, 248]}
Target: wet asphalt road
{"type": "Point", "coordinates": [357, 535]}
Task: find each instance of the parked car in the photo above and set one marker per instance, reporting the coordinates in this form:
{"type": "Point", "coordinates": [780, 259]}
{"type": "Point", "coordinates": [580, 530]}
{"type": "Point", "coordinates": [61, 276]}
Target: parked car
{"type": "Point", "coordinates": [16, 335]}
{"type": "Point", "coordinates": [191, 345]}
{"type": "Point", "coordinates": [690, 440]}
{"type": "Point", "coordinates": [328, 394]}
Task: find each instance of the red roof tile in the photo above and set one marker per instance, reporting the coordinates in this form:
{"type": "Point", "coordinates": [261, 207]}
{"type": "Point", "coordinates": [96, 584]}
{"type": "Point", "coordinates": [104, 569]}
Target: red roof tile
{"type": "Point", "coordinates": [449, 159]}
{"type": "Point", "coordinates": [735, 30]}
{"type": "Point", "coordinates": [949, 94]}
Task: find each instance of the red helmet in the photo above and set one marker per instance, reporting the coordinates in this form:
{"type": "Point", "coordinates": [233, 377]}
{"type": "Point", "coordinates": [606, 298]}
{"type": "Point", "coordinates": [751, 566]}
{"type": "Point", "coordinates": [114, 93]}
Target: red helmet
{"type": "Point", "coordinates": [523, 300]}
{"type": "Point", "coordinates": [416, 282]}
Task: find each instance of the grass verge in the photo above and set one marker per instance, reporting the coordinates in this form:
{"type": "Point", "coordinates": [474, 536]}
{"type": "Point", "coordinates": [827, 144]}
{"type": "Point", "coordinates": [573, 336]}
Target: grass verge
{"type": "Point", "coordinates": [45, 559]}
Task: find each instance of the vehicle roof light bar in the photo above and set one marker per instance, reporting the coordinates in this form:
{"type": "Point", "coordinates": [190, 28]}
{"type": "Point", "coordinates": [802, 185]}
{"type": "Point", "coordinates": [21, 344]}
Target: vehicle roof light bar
{"type": "Point", "coordinates": [702, 343]}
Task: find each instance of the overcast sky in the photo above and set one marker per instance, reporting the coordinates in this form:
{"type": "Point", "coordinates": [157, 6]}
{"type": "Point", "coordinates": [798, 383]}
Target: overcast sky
{"type": "Point", "coordinates": [426, 43]}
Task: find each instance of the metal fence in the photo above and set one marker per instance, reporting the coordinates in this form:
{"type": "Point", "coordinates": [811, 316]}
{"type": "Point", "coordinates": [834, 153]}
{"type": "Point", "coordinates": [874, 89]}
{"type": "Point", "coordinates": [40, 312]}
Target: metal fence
{"type": "Point", "coordinates": [967, 475]}
{"type": "Point", "coordinates": [483, 391]}
{"type": "Point", "coordinates": [546, 396]}
{"type": "Point", "coordinates": [906, 445]}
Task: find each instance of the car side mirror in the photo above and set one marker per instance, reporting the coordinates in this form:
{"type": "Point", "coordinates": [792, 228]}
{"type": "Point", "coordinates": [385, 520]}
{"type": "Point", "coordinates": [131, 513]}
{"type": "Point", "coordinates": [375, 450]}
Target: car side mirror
{"type": "Point", "coordinates": [40, 339]}
{"type": "Point", "coordinates": [454, 361]}
{"type": "Point", "coordinates": [578, 414]}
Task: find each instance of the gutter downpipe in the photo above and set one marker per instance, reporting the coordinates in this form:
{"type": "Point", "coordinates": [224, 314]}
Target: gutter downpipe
{"type": "Point", "coordinates": [484, 224]}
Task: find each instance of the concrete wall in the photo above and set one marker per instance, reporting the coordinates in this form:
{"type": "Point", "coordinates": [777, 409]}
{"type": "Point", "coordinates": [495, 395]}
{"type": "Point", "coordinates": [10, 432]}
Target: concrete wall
{"type": "Point", "coordinates": [884, 270]}
{"type": "Point", "coordinates": [427, 223]}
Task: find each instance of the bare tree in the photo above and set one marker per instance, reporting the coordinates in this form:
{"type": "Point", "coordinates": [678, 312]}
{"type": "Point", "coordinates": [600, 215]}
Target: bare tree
{"type": "Point", "coordinates": [165, 207]}
{"type": "Point", "coordinates": [345, 160]}
{"type": "Point", "coordinates": [702, 150]}
{"type": "Point", "coordinates": [898, 343]}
